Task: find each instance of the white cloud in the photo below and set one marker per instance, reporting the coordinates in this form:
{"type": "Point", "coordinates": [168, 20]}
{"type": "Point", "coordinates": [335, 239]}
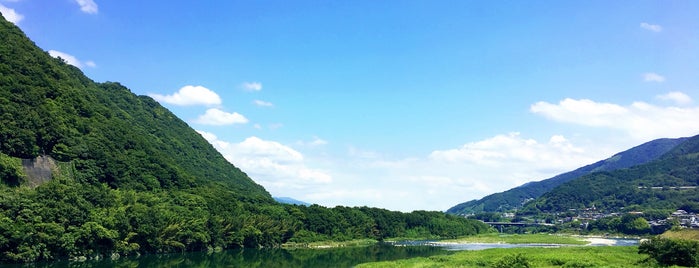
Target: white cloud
{"type": "Point", "coordinates": [640, 121]}
{"type": "Point", "coordinates": [72, 60]}
{"type": "Point", "coordinates": [190, 95]}
{"type": "Point", "coordinates": [218, 117]}
{"type": "Point", "coordinates": [447, 177]}
{"type": "Point", "coordinates": [87, 6]}
{"type": "Point", "coordinates": [511, 148]}
{"type": "Point", "coordinates": [11, 15]}
{"type": "Point", "coordinates": [653, 77]}
{"type": "Point", "coordinates": [254, 147]}
{"type": "Point", "coordinates": [651, 27]}
{"type": "Point", "coordinates": [252, 86]}
{"type": "Point", "coordinates": [263, 103]}
{"type": "Point", "coordinates": [279, 168]}
{"type": "Point", "coordinates": [677, 97]}
{"type": "Point", "coordinates": [435, 181]}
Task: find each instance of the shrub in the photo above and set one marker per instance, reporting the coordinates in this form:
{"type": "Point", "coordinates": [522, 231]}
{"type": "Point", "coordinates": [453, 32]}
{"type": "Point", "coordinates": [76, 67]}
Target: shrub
{"type": "Point", "coordinates": [671, 251]}
{"type": "Point", "coordinates": [512, 261]}
{"type": "Point", "coordinates": [579, 264]}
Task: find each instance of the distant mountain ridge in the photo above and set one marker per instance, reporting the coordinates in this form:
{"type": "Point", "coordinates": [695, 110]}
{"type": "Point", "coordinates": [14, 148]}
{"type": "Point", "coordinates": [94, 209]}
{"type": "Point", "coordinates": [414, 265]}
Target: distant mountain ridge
{"type": "Point", "coordinates": [516, 197]}
{"type": "Point", "coordinates": [669, 182]}
{"type": "Point", "coordinates": [290, 201]}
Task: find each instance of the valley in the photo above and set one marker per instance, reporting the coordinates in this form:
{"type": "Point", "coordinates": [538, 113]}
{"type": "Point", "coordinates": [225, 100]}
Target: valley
{"type": "Point", "coordinates": [93, 174]}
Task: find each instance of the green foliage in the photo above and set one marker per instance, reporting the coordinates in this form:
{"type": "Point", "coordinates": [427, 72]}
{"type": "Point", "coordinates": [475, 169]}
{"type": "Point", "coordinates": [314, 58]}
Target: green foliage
{"type": "Point", "coordinates": [512, 261]}
{"type": "Point", "coordinates": [487, 217]}
{"type": "Point", "coordinates": [64, 218]}
{"type": "Point", "coordinates": [11, 170]}
{"type": "Point", "coordinates": [669, 252]}
{"type": "Point", "coordinates": [533, 256]}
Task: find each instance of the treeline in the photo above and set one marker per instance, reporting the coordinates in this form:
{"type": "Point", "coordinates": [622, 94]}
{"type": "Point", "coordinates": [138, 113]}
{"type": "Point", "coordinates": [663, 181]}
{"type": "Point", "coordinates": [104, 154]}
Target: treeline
{"type": "Point", "coordinates": [67, 219]}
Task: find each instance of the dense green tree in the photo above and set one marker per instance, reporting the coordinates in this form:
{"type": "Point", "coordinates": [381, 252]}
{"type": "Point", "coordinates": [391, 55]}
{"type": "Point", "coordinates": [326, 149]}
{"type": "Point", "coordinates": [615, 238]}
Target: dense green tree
{"type": "Point", "coordinates": [668, 252]}
{"type": "Point", "coordinates": [11, 170]}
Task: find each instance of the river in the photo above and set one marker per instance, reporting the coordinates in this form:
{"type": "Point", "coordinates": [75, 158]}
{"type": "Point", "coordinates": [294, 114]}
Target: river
{"type": "Point", "coordinates": [329, 257]}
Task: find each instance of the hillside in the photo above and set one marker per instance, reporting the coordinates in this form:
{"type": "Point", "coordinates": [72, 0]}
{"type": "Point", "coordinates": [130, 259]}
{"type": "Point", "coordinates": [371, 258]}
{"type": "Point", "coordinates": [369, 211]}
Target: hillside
{"type": "Point", "coordinates": [108, 133]}
{"type": "Point", "coordinates": [669, 182]}
{"type": "Point", "coordinates": [516, 197]}
{"type": "Point", "coordinates": [90, 170]}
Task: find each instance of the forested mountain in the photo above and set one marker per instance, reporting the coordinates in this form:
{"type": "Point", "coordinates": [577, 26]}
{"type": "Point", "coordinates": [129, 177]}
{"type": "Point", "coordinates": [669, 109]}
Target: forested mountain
{"type": "Point", "coordinates": [109, 135]}
{"type": "Point", "coordinates": [92, 170]}
{"type": "Point", "coordinates": [516, 197]}
{"type": "Point", "coordinates": [669, 182]}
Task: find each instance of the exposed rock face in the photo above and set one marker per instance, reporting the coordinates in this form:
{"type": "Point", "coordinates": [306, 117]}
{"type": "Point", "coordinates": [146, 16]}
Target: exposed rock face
{"type": "Point", "coordinates": [39, 170]}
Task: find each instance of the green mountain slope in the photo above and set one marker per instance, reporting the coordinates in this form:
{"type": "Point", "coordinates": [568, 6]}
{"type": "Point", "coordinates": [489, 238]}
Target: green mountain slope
{"type": "Point", "coordinates": [50, 108]}
{"type": "Point", "coordinates": [90, 170]}
{"type": "Point", "coordinates": [670, 182]}
{"type": "Point", "coordinates": [516, 197]}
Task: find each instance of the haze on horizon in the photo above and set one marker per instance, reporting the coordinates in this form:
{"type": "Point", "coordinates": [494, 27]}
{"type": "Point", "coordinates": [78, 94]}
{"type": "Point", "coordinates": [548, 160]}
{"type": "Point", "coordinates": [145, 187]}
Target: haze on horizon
{"type": "Point", "coordinates": [404, 105]}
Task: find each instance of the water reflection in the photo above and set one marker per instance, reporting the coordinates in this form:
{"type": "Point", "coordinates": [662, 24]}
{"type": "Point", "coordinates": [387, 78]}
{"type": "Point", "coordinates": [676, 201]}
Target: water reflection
{"type": "Point", "coordinates": [330, 257]}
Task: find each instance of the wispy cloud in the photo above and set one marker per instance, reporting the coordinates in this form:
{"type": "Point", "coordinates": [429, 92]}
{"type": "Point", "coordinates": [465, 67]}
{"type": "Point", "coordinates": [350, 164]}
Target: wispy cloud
{"type": "Point", "coordinates": [88, 6]}
{"type": "Point", "coordinates": [653, 77]}
{"type": "Point", "coordinates": [252, 86]}
{"type": "Point", "coordinates": [640, 121]}
{"type": "Point", "coordinates": [218, 117]}
{"type": "Point", "coordinates": [315, 142]}
{"type": "Point", "coordinates": [651, 27]}
{"type": "Point", "coordinates": [190, 95]}
{"type": "Point", "coordinates": [263, 103]}
{"type": "Point", "coordinates": [676, 97]}
{"type": "Point", "coordinates": [10, 14]}
{"type": "Point", "coordinates": [72, 60]}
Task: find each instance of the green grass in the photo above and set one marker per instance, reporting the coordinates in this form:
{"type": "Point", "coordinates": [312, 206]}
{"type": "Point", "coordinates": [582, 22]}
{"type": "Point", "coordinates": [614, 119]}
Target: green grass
{"type": "Point", "coordinates": [687, 234]}
{"type": "Point", "coordinates": [521, 239]}
{"type": "Point", "coordinates": [535, 257]}
{"type": "Point", "coordinates": [332, 244]}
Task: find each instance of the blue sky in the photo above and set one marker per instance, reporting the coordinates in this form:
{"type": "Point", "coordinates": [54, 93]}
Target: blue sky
{"type": "Point", "coordinates": [403, 105]}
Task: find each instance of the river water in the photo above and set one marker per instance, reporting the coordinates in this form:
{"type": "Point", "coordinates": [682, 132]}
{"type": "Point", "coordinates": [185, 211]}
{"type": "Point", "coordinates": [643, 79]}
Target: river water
{"type": "Point", "coordinates": [330, 257]}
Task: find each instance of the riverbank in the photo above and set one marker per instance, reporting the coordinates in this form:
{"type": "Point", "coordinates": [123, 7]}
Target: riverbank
{"type": "Point", "coordinates": [535, 257]}
{"type": "Point", "coordinates": [331, 244]}
{"type": "Point", "coordinates": [520, 239]}
{"type": "Point", "coordinates": [492, 238]}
